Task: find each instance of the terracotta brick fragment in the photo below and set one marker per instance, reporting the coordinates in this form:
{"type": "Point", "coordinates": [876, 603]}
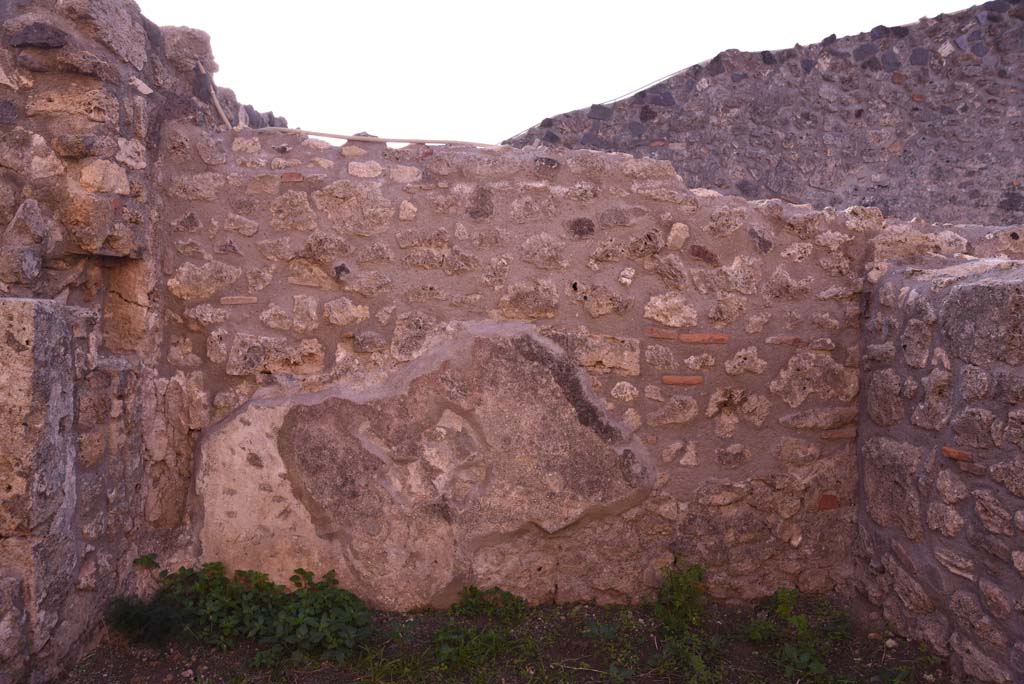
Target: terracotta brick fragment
{"type": "Point", "coordinates": [844, 433]}
{"type": "Point", "coordinates": [828, 502]}
{"type": "Point", "coordinates": [787, 340]}
{"type": "Point", "coordinates": [662, 333]}
{"type": "Point", "coordinates": [234, 300]}
{"type": "Point", "coordinates": [291, 177]}
{"type": "Point", "coordinates": [682, 379]}
{"type": "Point", "coordinates": [975, 469]}
{"type": "Point", "coordinates": [957, 454]}
{"type": "Point", "coordinates": [703, 338]}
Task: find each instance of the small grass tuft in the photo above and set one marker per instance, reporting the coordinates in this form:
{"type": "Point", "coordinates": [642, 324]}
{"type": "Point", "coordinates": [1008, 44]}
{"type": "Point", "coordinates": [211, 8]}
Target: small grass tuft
{"type": "Point", "coordinates": [461, 648]}
{"type": "Point", "coordinates": [493, 603]}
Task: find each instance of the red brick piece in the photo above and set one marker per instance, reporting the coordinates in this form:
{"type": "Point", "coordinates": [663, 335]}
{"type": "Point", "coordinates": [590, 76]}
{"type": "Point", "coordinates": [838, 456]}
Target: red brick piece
{"type": "Point", "coordinates": [703, 338]}
{"type": "Point", "coordinates": [975, 469]}
{"type": "Point", "coordinates": [788, 340]}
{"type": "Point", "coordinates": [828, 502]}
{"type": "Point", "coordinates": [662, 334]}
{"type": "Point", "coordinates": [957, 454]}
{"type": "Point", "coordinates": [291, 177]}
{"type": "Point", "coordinates": [844, 433]}
{"type": "Point", "coordinates": [682, 379]}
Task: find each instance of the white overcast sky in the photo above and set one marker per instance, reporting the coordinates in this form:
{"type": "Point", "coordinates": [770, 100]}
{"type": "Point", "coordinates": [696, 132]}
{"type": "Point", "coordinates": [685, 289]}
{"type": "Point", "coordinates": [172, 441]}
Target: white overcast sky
{"type": "Point", "coordinates": [484, 70]}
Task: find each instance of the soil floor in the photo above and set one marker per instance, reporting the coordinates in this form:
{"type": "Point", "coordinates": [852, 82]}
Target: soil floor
{"type": "Point", "coordinates": [737, 644]}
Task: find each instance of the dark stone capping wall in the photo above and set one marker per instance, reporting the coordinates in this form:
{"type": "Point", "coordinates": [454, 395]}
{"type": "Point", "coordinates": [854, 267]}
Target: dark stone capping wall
{"type": "Point", "coordinates": [941, 460]}
{"type": "Point", "coordinates": [919, 120]}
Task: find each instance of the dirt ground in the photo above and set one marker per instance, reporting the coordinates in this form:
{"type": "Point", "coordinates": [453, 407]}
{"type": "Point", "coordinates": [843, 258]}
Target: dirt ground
{"type": "Point", "coordinates": [559, 644]}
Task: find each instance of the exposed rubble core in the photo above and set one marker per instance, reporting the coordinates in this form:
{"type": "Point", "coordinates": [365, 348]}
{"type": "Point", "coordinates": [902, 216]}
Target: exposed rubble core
{"type": "Point", "coordinates": [555, 371]}
{"type": "Point", "coordinates": [942, 476]}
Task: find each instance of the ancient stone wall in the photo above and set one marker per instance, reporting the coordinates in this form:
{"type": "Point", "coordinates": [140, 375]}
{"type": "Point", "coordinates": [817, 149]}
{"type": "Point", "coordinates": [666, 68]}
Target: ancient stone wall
{"type": "Point", "coordinates": [430, 367]}
{"type": "Point", "coordinates": [91, 422]}
{"type": "Point", "coordinates": [552, 371]}
{"type": "Point", "coordinates": [918, 120]}
{"type": "Point", "coordinates": [941, 492]}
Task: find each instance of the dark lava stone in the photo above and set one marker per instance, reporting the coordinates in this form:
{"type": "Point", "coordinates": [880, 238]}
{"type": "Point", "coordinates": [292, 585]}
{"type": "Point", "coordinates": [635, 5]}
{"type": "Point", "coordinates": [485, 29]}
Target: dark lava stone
{"type": "Point", "coordinates": [600, 112]}
{"type": "Point", "coordinates": [39, 35]}
{"type": "Point", "coordinates": [864, 50]}
{"type": "Point", "coordinates": [920, 56]}
{"type": "Point", "coordinates": [747, 187]}
{"type": "Point", "coordinates": [1011, 201]}
{"type": "Point", "coordinates": [189, 221]}
{"type": "Point", "coordinates": [662, 98]}
{"type": "Point", "coordinates": [581, 227]}
{"type": "Point", "coordinates": [879, 32]}
{"type": "Point", "coordinates": [647, 114]}
{"type": "Point", "coordinates": [481, 205]}
{"type": "Point", "coordinates": [807, 64]}
{"type": "Point", "coordinates": [761, 239]}
{"type": "Point", "coordinates": [704, 254]}
{"type": "Point", "coordinates": [890, 62]}
{"type": "Point", "coordinates": [767, 57]}
{"type": "Point", "coordinates": [546, 166]}
{"type": "Point", "coordinates": [900, 31]}
{"type": "Point", "coordinates": [8, 112]}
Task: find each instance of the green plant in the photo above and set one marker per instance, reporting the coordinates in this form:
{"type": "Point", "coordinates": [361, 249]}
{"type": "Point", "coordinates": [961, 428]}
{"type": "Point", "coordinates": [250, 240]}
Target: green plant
{"type": "Point", "coordinates": [459, 648]}
{"type": "Point", "coordinates": [599, 631]}
{"type": "Point", "coordinates": [316, 620]}
{"type": "Point", "coordinates": [146, 561]}
{"type": "Point", "coordinates": [490, 603]}
{"type": "Point", "coordinates": [679, 609]}
{"type": "Point", "coordinates": [761, 631]}
{"type": "Point", "coordinates": [802, 653]}
{"type": "Point", "coordinates": [690, 656]}
{"type": "Point", "coordinates": [681, 599]}
{"type": "Point", "coordinates": [619, 674]}
{"type": "Point", "coordinates": [799, 659]}
{"type": "Point", "coordinates": [153, 623]}
{"type": "Point", "coordinates": [783, 602]}
{"type": "Point", "coordinates": [901, 674]}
